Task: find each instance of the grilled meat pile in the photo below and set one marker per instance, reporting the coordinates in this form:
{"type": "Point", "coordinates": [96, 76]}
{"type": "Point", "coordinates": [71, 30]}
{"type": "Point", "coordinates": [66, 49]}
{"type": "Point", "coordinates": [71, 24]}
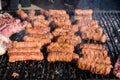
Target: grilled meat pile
{"type": "Point", "coordinates": [89, 28]}
{"type": "Point", "coordinates": [37, 35]}
{"type": "Point", "coordinates": [21, 51]}
{"type": "Point", "coordinates": [53, 29]}
{"type": "Point", "coordinates": [40, 31]}
{"type": "Point", "coordinates": [58, 18]}
{"type": "Point", "coordinates": [37, 28]}
{"type": "Point", "coordinates": [62, 49]}
{"type": "Point", "coordinates": [94, 56]}
{"type": "Point", "coordinates": [95, 59]}
{"type": "Point", "coordinates": [65, 30]}
{"type": "Point", "coordinates": [61, 52]}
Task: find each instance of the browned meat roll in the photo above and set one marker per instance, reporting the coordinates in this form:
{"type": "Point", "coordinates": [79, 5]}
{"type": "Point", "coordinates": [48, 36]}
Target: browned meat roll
{"type": "Point", "coordinates": [53, 12]}
{"type": "Point", "coordinates": [92, 46]}
{"type": "Point", "coordinates": [61, 31]}
{"type": "Point", "coordinates": [42, 41]}
{"type": "Point", "coordinates": [42, 36]}
{"type": "Point", "coordinates": [36, 17]}
{"type": "Point", "coordinates": [73, 40]}
{"type": "Point", "coordinates": [41, 22]}
{"type": "Point", "coordinates": [69, 27]}
{"type": "Point", "coordinates": [86, 22]}
{"type": "Point", "coordinates": [13, 57]}
{"type": "Point", "coordinates": [93, 33]}
{"type": "Point", "coordinates": [61, 22]}
{"type": "Point", "coordinates": [62, 56]}
{"type": "Point", "coordinates": [36, 31]}
{"type": "Point", "coordinates": [81, 17]}
{"type": "Point", "coordinates": [95, 68]}
{"type": "Point", "coordinates": [95, 59]}
{"type": "Point", "coordinates": [24, 50]}
{"type": "Point", "coordinates": [16, 44]}
{"type": "Point", "coordinates": [60, 47]}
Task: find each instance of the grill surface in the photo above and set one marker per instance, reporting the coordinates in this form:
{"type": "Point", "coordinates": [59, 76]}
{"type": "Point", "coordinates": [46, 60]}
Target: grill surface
{"type": "Point", "coordinates": [109, 20]}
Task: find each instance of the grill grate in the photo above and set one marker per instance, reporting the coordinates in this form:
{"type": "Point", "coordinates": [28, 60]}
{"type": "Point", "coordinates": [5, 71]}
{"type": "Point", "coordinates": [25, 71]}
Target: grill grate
{"type": "Point", "coordinates": [109, 20]}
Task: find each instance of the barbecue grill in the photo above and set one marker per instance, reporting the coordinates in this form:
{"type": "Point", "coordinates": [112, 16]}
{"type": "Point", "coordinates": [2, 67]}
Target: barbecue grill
{"type": "Point", "coordinates": [35, 70]}
{"type": "Point", "coordinates": [109, 20]}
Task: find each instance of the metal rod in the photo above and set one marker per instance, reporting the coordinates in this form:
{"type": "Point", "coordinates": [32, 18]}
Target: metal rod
{"type": "Point", "coordinates": [0, 5]}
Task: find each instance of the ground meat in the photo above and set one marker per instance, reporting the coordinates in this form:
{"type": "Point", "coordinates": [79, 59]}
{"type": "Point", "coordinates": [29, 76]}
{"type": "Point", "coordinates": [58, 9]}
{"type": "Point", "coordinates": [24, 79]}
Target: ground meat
{"type": "Point", "coordinates": [37, 31]}
{"type": "Point", "coordinates": [95, 59]}
{"type": "Point", "coordinates": [60, 47]}
{"type": "Point", "coordinates": [13, 57]}
{"type": "Point", "coordinates": [73, 40]}
{"type": "Point", "coordinates": [42, 41]}
{"type": "Point", "coordinates": [62, 22]}
{"type": "Point", "coordinates": [80, 18]}
{"type": "Point", "coordinates": [41, 22]}
{"type": "Point", "coordinates": [89, 29]}
{"type": "Point", "coordinates": [42, 36]}
{"type": "Point", "coordinates": [61, 31]}
{"type": "Point", "coordinates": [93, 33]}
{"type": "Point", "coordinates": [60, 12]}
{"type": "Point", "coordinates": [93, 46]}
{"type": "Point", "coordinates": [16, 44]}
{"type": "Point", "coordinates": [59, 17]}
{"type": "Point", "coordinates": [62, 56]}
{"type": "Point", "coordinates": [24, 50]}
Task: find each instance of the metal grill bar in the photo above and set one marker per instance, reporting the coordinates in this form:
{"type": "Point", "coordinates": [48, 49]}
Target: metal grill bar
{"type": "Point", "coordinates": [112, 18]}
{"type": "Point", "coordinates": [111, 30]}
{"type": "Point", "coordinates": [108, 24]}
{"type": "Point", "coordinates": [109, 20]}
